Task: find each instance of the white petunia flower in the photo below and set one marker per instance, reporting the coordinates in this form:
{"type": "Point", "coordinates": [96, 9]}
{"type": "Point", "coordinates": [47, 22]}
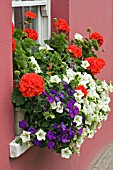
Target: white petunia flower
{"type": "Point", "coordinates": [78, 105]}
{"type": "Point", "coordinates": [70, 74]}
{"type": "Point", "coordinates": [79, 142]}
{"type": "Point", "coordinates": [110, 87]}
{"type": "Point", "coordinates": [85, 64]}
{"type": "Point", "coordinates": [25, 136]}
{"type": "Point", "coordinates": [41, 135]}
{"type": "Point", "coordinates": [66, 153]}
{"type": "Point", "coordinates": [78, 96]}
{"type": "Point", "coordinates": [53, 105]}
{"type": "Point", "coordinates": [78, 120]}
{"type": "Point", "coordinates": [59, 107]}
{"type": "Point", "coordinates": [47, 47]}
{"type": "Point", "coordinates": [78, 36]}
{"type": "Point", "coordinates": [91, 133]}
{"type": "Point", "coordinates": [66, 79]}
{"type": "Point", "coordinates": [104, 85]}
{"type": "Point", "coordinates": [55, 79]}
{"type": "Point", "coordinates": [37, 67]}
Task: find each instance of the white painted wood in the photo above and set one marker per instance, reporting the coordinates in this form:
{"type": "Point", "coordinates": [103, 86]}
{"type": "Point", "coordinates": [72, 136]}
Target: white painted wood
{"type": "Point", "coordinates": [16, 149]}
{"type": "Point", "coordinates": [28, 3]}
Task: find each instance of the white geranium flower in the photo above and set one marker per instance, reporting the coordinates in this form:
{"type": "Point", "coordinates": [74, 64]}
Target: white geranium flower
{"type": "Point", "coordinates": [41, 135]}
{"type": "Point", "coordinates": [78, 36]}
{"type": "Point", "coordinates": [66, 153]}
{"type": "Point", "coordinates": [85, 64]}
{"type": "Point", "coordinates": [66, 79]}
{"type": "Point", "coordinates": [53, 105]}
{"type": "Point", "coordinates": [55, 79]}
{"type": "Point", "coordinates": [78, 120]}
{"type": "Point", "coordinates": [25, 136]}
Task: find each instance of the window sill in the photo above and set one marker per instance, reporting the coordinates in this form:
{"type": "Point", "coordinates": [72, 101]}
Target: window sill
{"type": "Point", "coordinates": [16, 149]}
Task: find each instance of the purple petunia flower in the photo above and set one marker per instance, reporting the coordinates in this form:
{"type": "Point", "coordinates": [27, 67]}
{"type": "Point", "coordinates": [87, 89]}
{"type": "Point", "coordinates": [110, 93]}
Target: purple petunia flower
{"type": "Point", "coordinates": [57, 98]}
{"type": "Point", "coordinates": [32, 130]}
{"type": "Point", "coordinates": [71, 66]}
{"type": "Point", "coordinates": [50, 99]}
{"type": "Point", "coordinates": [63, 127]}
{"type": "Point", "coordinates": [71, 114]}
{"type": "Point", "coordinates": [65, 85]}
{"type": "Point", "coordinates": [55, 126]}
{"type": "Point", "coordinates": [80, 131]}
{"type": "Point", "coordinates": [50, 145]}
{"type": "Point", "coordinates": [67, 109]}
{"type": "Point", "coordinates": [69, 105]}
{"type": "Point", "coordinates": [70, 92]}
{"type": "Point", "coordinates": [52, 91]}
{"type": "Point", "coordinates": [72, 101]}
{"type": "Point", "coordinates": [36, 142]}
{"type": "Point", "coordinates": [61, 94]}
{"type": "Point", "coordinates": [76, 110]}
{"type": "Point", "coordinates": [45, 93]}
{"type": "Point", "coordinates": [51, 135]}
{"type": "Point", "coordinates": [64, 139]}
{"type": "Point", "coordinates": [22, 124]}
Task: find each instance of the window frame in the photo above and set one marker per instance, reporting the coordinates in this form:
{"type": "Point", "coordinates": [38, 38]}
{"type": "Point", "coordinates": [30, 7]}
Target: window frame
{"type": "Point", "coordinates": [43, 23]}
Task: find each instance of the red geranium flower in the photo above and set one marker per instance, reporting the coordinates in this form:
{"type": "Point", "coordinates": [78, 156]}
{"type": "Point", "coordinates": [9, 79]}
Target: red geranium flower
{"type": "Point", "coordinates": [13, 29]}
{"type": "Point", "coordinates": [83, 89]}
{"type": "Point", "coordinates": [31, 84]}
{"type": "Point", "coordinates": [98, 37]}
{"type": "Point", "coordinates": [31, 33]}
{"type": "Point", "coordinates": [30, 14]}
{"type": "Point", "coordinates": [77, 52]}
{"type": "Point", "coordinates": [96, 64]}
{"type": "Point", "coordinates": [13, 44]}
{"type": "Point", "coordinates": [62, 25]}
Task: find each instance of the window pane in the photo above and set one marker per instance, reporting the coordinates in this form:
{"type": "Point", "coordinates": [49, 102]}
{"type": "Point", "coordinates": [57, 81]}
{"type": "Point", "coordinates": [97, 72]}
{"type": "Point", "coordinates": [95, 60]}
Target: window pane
{"type": "Point", "coordinates": [19, 17]}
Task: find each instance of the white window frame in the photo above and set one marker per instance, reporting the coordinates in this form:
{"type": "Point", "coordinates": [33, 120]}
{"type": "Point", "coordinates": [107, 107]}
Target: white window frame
{"type": "Point", "coordinates": [43, 14]}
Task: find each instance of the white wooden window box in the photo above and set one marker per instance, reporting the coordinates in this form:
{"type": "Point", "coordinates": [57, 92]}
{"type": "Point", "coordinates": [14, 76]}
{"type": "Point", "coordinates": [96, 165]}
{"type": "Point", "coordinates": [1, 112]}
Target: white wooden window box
{"type": "Point", "coordinates": [43, 27]}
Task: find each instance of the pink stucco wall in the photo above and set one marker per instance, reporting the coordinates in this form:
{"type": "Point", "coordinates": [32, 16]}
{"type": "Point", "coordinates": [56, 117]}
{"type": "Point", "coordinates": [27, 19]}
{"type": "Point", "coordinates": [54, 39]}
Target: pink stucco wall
{"type": "Point", "coordinates": [80, 14]}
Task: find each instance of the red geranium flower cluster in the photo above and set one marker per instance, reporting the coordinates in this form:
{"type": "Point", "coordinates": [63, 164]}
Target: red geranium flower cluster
{"type": "Point", "coordinates": [83, 89]}
{"type": "Point", "coordinates": [30, 14]}
{"type": "Point", "coordinates": [13, 40]}
{"type": "Point", "coordinates": [62, 25]}
{"type": "Point", "coordinates": [31, 84]}
{"type": "Point", "coordinates": [77, 52]}
{"type": "Point", "coordinates": [98, 37]}
{"type": "Point", "coordinates": [13, 29]}
{"type": "Point", "coordinates": [96, 64]}
{"type": "Point", "coordinates": [13, 44]}
{"type": "Point", "coordinates": [31, 33]}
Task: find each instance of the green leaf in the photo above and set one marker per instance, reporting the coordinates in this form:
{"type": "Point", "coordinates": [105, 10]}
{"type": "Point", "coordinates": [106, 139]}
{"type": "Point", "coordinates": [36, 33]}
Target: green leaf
{"type": "Point", "coordinates": [17, 97]}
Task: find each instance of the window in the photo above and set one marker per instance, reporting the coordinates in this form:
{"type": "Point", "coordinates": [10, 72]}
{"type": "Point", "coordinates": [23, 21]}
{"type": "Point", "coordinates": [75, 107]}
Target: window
{"type": "Point", "coordinates": [42, 22]}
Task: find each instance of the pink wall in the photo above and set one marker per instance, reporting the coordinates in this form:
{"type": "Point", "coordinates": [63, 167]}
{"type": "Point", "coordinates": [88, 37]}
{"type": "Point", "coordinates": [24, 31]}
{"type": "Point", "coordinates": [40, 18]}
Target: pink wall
{"type": "Point", "coordinates": [80, 15]}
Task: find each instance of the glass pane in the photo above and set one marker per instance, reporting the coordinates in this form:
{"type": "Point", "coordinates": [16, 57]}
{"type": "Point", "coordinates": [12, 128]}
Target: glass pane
{"type": "Point", "coordinates": [19, 17]}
